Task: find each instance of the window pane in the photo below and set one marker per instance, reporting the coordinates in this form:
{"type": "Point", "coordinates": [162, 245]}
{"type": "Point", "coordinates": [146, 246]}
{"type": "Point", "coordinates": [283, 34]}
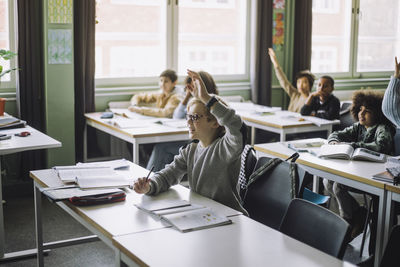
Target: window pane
{"type": "Point", "coordinates": [130, 38]}
{"type": "Point", "coordinates": [212, 36]}
{"type": "Point", "coordinates": [4, 36]}
{"type": "Point", "coordinates": [331, 36]}
{"type": "Point", "coordinates": [378, 44]}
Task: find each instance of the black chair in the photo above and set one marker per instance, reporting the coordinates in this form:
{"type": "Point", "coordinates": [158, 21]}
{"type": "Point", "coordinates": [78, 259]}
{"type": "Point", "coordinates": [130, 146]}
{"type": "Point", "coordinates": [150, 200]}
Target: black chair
{"type": "Point", "coordinates": [316, 226]}
{"type": "Point", "coordinates": [268, 198]}
{"type": "Point", "coordinates": [346, 119]}
{"type": "Point", "coordinates": [391, 256]}
{"type": "Point", "coordinates": [247, 163]}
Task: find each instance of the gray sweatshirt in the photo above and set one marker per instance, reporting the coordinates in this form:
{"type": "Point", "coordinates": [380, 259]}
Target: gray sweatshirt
{"type": "Point", "coordinates": [212, 171]}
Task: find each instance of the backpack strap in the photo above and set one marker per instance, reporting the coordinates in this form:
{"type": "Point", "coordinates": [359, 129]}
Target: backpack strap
{"type": "Point", "coordinates": [294, 175]}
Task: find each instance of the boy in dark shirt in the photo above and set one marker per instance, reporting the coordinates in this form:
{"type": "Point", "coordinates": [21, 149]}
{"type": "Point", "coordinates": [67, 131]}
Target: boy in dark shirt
{"type": "Point", "coordinates": [322, 103]}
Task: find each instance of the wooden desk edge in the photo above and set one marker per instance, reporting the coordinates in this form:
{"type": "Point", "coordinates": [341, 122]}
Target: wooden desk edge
{"type": "Point", "coordinates": [128, 253]}
{"type": "Point", "coordinates": [114, 128]}
{"type": "Point", "coordinates": [392, 188]}
{"type": "Point", "coordinates": [32, 174]}
{"type": "Point", "coordinates": [333, 171]}
{"type": "Point", "coordinates": [274, 125]}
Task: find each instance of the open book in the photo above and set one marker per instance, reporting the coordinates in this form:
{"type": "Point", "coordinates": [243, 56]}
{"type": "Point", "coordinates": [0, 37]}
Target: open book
{"type": "Point", "coordinates": [345, 151]}
{"type": "Point", "coordinates": [184, 216]}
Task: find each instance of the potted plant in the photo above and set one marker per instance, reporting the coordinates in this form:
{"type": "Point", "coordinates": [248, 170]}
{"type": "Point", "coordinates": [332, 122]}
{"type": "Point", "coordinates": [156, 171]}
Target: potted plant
{"type": "Point", "coordinates": [6, 55]}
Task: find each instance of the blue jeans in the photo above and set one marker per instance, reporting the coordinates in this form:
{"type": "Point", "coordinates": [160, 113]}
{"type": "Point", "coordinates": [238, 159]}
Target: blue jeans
{"type": "Point", "coordinates": [164, 153]}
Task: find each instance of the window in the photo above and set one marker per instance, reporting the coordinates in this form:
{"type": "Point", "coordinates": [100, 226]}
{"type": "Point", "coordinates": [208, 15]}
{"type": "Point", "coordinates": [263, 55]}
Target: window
{"type": "Point", "coordinates": [356, 38]}
{"type": "Point", "coordinates": [7, 42]}
{"type": "Point", "coordinates": [136, 40]}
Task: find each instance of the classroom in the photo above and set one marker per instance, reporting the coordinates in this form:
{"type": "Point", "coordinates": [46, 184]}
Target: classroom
{"type": "Point", "coordinates": [246, 111]}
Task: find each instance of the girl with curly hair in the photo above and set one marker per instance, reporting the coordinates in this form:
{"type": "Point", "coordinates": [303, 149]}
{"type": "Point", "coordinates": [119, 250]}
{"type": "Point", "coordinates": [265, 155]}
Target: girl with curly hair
{"type": "Point", "coordinates": [372, 131]}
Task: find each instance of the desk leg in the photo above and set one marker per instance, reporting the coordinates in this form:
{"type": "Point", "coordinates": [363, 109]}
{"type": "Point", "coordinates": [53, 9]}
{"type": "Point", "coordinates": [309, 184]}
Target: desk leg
{"type": "Point", "coordinates": [135, 153]}
{"type": "Point", "coordinates": [2, 239]}
{"type": "Point", "coordinates": [282, 136]}
{"type": "Point", "coordinates": [38, 225]}
{"type": "Point", "coordinates": [380, 227]}
{"type": "Point", "coordinates": [253, 136]}
{"type": "Point", "coordinates": [315, 185]}
{"type": "Point", "coordinates": [329, 131]}
{"type": "Point", "coordinates": [388, 219]}
{"type": "Point", "coordinates": [85, 144]}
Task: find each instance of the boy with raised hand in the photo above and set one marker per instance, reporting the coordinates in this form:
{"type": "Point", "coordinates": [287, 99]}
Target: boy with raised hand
{"type": "Point", "coordinates": [165, 101]}
{"type": "Point", "coordinates": [322, 103]}
{"type": "Point", "coordinates": [212, 160]}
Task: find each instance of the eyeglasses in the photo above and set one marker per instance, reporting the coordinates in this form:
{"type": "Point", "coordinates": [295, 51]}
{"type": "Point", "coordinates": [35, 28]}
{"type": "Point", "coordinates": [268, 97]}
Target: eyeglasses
{"type": "Point", "coordinates": [194, 117]}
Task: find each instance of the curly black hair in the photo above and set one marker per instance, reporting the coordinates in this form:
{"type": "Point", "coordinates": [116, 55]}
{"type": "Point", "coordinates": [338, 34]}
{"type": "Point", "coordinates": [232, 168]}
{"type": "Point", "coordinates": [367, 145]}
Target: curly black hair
{"type": "Point", "coordinates": [371, 100]}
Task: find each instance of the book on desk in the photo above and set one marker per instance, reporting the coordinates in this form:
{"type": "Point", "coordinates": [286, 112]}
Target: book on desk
{"type": "Point", "coordinates": [183, 215]}
{"type": "Point", "coordinates": [346, 151]}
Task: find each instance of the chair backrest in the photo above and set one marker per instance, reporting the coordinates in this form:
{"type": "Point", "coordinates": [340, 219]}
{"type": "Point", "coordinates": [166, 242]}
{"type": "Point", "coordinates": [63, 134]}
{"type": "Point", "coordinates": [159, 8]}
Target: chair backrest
{"type": "Point", "coordinates": [396, 140]}
{"type": "Point", "coordinates": [269, 196]}
{"type": "Point", "coordinates": [316, 226]}
{"type": "Point", "coordinates": [391, 255]}
{"type": "Point", "coordinates": [247, 163]}
{"type": "Point", "coordinates": [346, 119]}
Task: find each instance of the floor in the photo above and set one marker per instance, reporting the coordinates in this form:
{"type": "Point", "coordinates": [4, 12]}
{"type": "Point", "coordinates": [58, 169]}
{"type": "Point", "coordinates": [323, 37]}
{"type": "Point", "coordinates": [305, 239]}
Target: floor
{"type": "Point", "coordinates": [19, 226]}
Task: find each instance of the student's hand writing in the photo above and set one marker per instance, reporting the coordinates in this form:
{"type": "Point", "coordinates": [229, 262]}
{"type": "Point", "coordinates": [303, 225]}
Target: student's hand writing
{"type": "Point", "coordinates": [272, 55]}
{"type": "Point", "coordinates": [199, 89]}
{"type": "Point", "coordinates": [397, 68]}
{"type": "Point", "coordinates": [141, 185]}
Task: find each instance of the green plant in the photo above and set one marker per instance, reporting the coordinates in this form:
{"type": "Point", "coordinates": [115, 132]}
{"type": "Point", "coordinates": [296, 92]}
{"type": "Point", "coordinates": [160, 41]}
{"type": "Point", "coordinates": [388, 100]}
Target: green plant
{"type": "Point", "coordinates": [6, 55]}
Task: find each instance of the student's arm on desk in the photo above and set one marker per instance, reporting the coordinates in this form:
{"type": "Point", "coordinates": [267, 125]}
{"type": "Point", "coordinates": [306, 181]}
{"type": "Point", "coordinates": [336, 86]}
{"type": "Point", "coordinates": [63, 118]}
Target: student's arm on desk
{"type": "Point", "coordinates": [172, 174]}
{"type": "Point", "coordinates": [349, 134]}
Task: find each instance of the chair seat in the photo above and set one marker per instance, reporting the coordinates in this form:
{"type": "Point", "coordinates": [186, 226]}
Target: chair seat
{"type": "Point", "coordinates": [314, 197]}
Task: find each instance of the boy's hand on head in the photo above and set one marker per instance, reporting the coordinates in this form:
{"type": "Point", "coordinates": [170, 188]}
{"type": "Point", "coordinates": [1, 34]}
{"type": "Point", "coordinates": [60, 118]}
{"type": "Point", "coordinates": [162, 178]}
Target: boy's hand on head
{"type": "Point", "coordinates": [397, 68]}
{"type": "Point", "coordinates": [141, 185]}
{"type": "Point", "coordinates": [199, 90]}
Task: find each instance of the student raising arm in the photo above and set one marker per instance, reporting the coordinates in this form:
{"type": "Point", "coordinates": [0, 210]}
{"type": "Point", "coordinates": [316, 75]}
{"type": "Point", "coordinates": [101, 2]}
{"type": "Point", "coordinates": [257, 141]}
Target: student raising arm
{"type": "Point", "coordinates": [212, 160]}
{"type": "Point", "coordinates": [304, 82]}
{"type": "Point", "coordinates": [391, 100]}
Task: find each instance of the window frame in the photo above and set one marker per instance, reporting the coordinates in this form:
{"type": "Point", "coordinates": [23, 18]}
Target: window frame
{"type": "Point", "coordinates": [353, 74]}
{"type": "Point", "coordinates": [12, 37]}
{"type": "Point", "coordinates": [171, 32]}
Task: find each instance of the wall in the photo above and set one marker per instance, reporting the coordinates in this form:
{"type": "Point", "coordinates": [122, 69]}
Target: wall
{"type": "Point", "coordinates": [59, 100]}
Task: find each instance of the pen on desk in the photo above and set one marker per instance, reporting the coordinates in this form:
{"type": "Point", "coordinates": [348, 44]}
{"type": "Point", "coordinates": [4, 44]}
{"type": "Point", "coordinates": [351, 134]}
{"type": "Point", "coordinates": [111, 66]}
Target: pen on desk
{"type": "Point", "coordinates": [148, 175]}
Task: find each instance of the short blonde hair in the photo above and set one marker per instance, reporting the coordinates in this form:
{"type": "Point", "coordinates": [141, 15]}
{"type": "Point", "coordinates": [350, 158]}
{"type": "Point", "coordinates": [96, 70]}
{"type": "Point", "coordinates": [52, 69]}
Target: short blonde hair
{"type": "Point", "coordinates": [207, 112]}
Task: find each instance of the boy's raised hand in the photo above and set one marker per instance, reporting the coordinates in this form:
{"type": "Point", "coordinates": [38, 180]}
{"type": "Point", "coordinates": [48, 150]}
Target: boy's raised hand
{"type": "Point", "coordinates": [397, 68]}
{"type": "Point", "coordinates": [272, 55]}
{"type": "Point", "coordinates": [199, 90]}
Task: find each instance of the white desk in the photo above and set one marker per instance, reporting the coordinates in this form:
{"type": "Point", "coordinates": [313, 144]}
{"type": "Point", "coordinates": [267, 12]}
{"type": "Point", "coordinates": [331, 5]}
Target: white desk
{"type": "Point", "coordinates": [36, 140]}
{"type": "Point", "coordinates": [149, 133]}
{"type": "Point", "coordinates": [286, 122]}
{"type": "Point", "coordinates": [356, 174]}
{"type": "Point", "coordinates": [243, 243]}
{"type": "Point", "coordinates": [111, 220]}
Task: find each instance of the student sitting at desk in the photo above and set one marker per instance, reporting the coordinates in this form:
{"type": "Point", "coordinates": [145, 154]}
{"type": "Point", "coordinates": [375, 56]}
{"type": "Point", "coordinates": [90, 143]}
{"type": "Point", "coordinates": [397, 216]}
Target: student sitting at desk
{"type": "Point", "coordinates": [163, 153]}
{"type": "Point", "coordinates": [165, 101]}
{"type": "Point", "coordinates": [304, 82]}
{"type": "Point", "coordinates": [212, 160]}
{"type": "Point", "coordinates": [372, 131]}
{"type": "Point", "coordinates": [322, 103]}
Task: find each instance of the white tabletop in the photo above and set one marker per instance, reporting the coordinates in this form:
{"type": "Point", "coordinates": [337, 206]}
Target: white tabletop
{"type": "Point", "coordinates": [361, 171]}
{"type": "Point", "coordinates": [243, 243]}
{"type": "Point", "coordinates": [123, 217]}
{"type": "Point", "coordinates": [36, 140]}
